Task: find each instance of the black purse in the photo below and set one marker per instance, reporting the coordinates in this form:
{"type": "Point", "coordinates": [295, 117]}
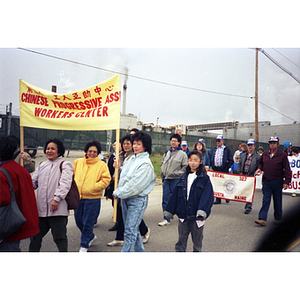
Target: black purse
{"type": "Point", "coordinates": [11, 218]}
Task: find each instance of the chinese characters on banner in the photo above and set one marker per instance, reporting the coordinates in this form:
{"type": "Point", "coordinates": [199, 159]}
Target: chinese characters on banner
{"type": "Point", "coordinates": [232, 186]}
{"type": "Point", "coordinates": [93, 108]}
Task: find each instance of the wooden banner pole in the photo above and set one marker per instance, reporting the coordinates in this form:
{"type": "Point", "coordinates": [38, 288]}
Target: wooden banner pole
{"type": "Point", "coordinates": [116, 173]}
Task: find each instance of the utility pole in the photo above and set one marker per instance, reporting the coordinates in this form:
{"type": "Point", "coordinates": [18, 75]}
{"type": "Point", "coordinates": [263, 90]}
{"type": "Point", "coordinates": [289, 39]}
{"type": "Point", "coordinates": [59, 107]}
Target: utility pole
{"type": "Point", "coordinates": [256, 96]}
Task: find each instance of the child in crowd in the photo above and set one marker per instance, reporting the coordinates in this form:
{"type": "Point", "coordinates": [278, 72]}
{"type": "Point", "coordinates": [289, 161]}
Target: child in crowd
{"type": "Point", "coordinates": [234, 167]}
{"type": "Point", "coordinates": [191, 201]}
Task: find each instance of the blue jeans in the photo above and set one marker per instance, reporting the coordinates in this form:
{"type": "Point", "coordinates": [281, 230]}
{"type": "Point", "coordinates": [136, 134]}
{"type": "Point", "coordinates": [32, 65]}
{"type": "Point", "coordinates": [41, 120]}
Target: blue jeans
{"type": "Point", "coordinates": [269, 188]}
{"type": "Point", "coordinates": [85, 216]}
{"type": "Point", "coordinates": [168, 187]}
{"type": "Point", "coordinates": [133, 210]}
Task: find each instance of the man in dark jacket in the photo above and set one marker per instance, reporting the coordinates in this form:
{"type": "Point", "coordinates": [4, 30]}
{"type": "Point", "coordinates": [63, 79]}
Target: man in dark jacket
{"type": "Point", "coordinates": [221, 159]}
{"type": "Point", "coordinates": [276, 176]}
{"type": "Point", "coordinates": [248, 165]}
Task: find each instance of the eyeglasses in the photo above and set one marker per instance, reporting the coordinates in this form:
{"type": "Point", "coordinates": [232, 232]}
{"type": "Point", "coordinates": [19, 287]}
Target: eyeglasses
{"type": "Point", "coordinates": [218, 141]}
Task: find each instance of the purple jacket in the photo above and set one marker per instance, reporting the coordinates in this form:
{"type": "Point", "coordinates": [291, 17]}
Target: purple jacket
{"type": "Point", "coordinates": [276, 168]}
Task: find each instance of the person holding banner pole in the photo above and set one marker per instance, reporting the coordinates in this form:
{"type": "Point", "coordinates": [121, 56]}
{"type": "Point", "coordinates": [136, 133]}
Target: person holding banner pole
{"type": "Point", "coordinates": [92, 177]}
{"type": "Point", "coordinates": [52, 186]}
{"type": "Point", "coordinates": [137, 180]}
{"type": "Point", "coordinates": [127, 152]}
{"type": "Point", "coordinates": [221, 159]}
{"type": "Point", "coordinates": [248, 165]}
{"type": "Point", "coordinates": [275, 167]}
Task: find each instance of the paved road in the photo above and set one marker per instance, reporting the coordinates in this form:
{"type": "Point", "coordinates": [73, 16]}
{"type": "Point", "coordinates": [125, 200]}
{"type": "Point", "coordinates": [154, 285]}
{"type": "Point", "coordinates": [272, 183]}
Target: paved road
{"type": "Point", "coordinates": [227, 229]}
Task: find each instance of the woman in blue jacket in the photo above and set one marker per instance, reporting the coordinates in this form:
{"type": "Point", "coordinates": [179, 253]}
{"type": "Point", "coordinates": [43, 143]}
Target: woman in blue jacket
{"type": "Point", "coordinates": [136, 182]}
{"type": "Point", "coordinates": [191, 201]}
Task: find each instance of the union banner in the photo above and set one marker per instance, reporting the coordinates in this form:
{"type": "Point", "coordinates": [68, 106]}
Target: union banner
{"type": "Point", "coordinates": [232, 187]}
{"type": "Point", "coordinates": [93, 108]}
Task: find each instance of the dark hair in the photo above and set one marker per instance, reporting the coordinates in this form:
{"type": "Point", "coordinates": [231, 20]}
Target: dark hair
{"type": "Point", "coordinates": [176, 136]}
{"type": "Point", "coordinates": [135, 130]}
{"type": "Point", "coordinates": [203, 150]}
{"type": "Point", "coordinates": [201, 168]}
{"type": "Point", "coordinates": [15, 138]}
{"type": "Point", "coordinates": [93, 143]}
{"type": "Point", "coordinates": [127, 137]}
{"type": "Point", "coordinates": [145, 138]}
{"type": "Point", "coordinates": [8, 146]}
{"type": "Point", "coordinates": [59, 144]}
{"type": "Point", "coordinates": [295, 149]}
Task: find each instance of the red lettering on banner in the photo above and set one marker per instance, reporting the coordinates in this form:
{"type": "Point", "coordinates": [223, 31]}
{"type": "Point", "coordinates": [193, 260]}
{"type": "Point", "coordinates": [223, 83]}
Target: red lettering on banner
{"type": "Point", "coordinates": [75, 96]}
{"type": "Point", "coordinates": [97, 90]}
{"type": "Point", "coordinates": [34, 99]}
{"type": "Point", "coordinates": [104, 111]}
{"type": "Point", "coordinates": [218, 194]}
{"type": "Point", "coordinates": [65, 97]}
{"type": "Point", "coordinates": [86, 94]}
{"type": "Point", "coordinates": [112, 97]}
{"type": "Point", "coordinates": [240, 198]}
{"type": "Point", "coordinates": [242, 178]}
{"type": "Point", "coordinates": [296, 175]}
{"type": "Point", "coordinates": [220, 175]}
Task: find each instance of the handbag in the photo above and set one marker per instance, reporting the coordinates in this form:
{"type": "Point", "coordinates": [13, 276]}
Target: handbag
{"type": "Point", "coordinates": [11, 218]}
{"type": "Point", "coordinates": [73, 196]}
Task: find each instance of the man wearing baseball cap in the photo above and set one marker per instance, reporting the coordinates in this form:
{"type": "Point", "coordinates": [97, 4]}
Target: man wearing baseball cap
{"type": "Point", "coordinates": [184, 147]}
{"type": "Point", "coordinates": [276, 171]}
{"type": "Point", "coordinates": [221, 159]}
{"type": "Point", "coordinates": [248, 165]}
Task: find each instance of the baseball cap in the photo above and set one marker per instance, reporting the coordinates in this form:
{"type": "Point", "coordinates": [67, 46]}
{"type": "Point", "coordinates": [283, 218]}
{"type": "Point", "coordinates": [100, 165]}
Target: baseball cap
{"type": "Point", "coordinates": [201, 141]}
{"type": "Point", "coordinates": [251, 142]}
{"type": "Point", "coordinates": [274, 139]}
{"type": "Point", "coordinates": [184, 143]}
{"type": "Point", "coordinates": [220, 137]}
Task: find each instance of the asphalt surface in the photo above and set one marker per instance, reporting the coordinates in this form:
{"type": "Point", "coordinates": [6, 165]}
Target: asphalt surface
{"type": "Point", "coordinates": [227, 229]}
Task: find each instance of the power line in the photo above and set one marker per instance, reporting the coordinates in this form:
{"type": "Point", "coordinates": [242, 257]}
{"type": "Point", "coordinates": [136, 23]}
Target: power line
{"type": "Point", "coordinates": [286, 58]}
{"type": "Point", "coordinates": [134, 76]}
{"type": "Point", "coordinates": [278, 65]}
{"type": "Point", "coordinates": [152, 80]}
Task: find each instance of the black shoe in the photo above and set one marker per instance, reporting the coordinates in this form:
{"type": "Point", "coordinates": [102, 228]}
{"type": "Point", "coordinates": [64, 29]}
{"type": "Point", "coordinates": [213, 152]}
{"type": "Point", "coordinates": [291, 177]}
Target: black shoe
{"type": "Point", "coordinates": [227, 201]}
{"type": "Point", "coordinates": [217, 202]}
{"type": "Point", "coordinates": [247, 211]}
{"type": "Point", "coordinates": [114, 228]}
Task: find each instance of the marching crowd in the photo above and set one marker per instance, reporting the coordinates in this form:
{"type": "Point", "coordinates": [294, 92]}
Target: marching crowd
{"type": "Point", "coordinates": [187, 189]}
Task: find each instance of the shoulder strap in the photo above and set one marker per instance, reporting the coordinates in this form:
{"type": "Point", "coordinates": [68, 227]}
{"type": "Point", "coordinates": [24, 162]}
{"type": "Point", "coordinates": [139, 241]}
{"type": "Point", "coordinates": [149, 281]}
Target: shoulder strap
{"type": "Point", "coordinates": [60, 166]}
{"type": "Point", "coordinates": [11, 187]}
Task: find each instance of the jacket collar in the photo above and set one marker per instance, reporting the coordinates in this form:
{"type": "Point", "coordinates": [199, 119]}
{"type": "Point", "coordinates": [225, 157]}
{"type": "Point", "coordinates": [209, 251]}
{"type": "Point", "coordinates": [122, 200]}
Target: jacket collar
{"type": "Point", "coordinates": [91, 161]}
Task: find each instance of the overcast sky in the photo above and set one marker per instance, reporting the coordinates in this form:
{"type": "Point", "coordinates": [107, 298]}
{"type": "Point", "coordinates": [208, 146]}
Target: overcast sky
{"type": "Point", "coordinates": [181, 82]}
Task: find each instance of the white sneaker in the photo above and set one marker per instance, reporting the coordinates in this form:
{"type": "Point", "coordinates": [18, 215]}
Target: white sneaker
{"type": "Point", "coordinates": [90, 243]}
{"type": "Point", "coordinates": [115, 243]}
{"type": "Point", "coordinates": [83, 249]}
{"type": "Point", "coordinates": [163, 223]}
{"type": "Point", "coordinates": [146, 237]}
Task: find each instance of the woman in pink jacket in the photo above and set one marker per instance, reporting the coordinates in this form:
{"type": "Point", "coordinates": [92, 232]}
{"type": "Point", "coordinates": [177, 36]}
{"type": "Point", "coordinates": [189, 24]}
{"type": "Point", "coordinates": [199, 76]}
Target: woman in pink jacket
{"type": "Point", "coordinates": [53, 185]}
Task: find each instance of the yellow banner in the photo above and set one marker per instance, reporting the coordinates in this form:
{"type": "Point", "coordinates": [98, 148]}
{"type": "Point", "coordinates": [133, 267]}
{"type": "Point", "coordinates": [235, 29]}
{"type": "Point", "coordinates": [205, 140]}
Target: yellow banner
{"type": "Point", "coordinates": [93, 108]}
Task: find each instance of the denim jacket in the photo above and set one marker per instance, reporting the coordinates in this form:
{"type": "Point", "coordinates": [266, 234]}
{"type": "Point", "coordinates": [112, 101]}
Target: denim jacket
{"type": "Point", "coordinates": [200, 200]}
{"type": "Point", "coordinates": [137, 177]}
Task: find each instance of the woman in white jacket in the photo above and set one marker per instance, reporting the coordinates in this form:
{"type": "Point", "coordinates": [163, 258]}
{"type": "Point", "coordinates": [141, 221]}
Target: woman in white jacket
{"type": "Point", "coordinates": [136, 182]}
{"type": "Point", "coordinates": [53, 180]}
